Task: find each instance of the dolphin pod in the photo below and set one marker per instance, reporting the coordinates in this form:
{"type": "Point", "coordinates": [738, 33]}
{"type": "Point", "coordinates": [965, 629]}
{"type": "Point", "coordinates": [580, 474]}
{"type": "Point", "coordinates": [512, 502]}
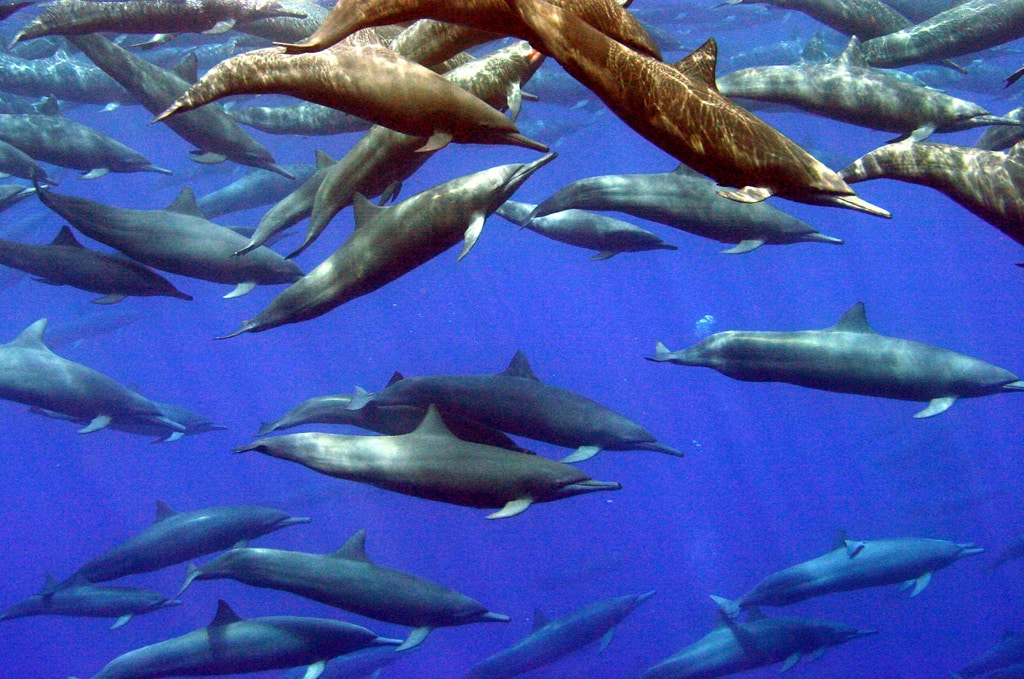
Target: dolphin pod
{"type": "Point", "coordinates": [849, 357]}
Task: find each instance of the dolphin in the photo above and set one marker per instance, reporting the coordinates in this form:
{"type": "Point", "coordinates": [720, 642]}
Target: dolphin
{"type": "Point", "coordinates": [348, 580]}
{"type": "Point", "coordinates": [1007, 653]}
{"type": "Point", "coordinates": [176, 537]}
{"type": "Point", "coordinates": [585, 230]}
{"type": "Point", "coordinates": [846, 88]}
{"type": "Point", "coordinates": [32, 374]}
{"type": "Point", "coordinates": [66, 262]}
{"type": "Point", "coordinates": [552, 639]}
{"type": "Point", "coordinates": [177, 239]}
{"type": "Point", "coordinates": [12, 194]}
{"type": "Point", "coordinates": [737, 646]}
{"type": "Point", "coordinates": [306, 119]}
{"type": "Point", "coordinates": [516, 402]}
{"type": "Point", "coordinates": [84, 599]}
{"type": "Point", "coordinates": [686, 201]}
{"type": "Point", "coordinates": [1002, 137]}
{"type": "Point", "coordinates": [254, 189]}
{"type": "Point", "coordinates": [1012, 552]}
{"type": "Point", "coordinates": [193, 423]}
{"type": "Point", "coordinates": [848, 357]}
{"type": "Point", "coordinates": [382, 87]}
{"type": "Point", "coordinates": [851, 565]}
{"type": "Point", "coordinates": [233, 645]}
{"type": "Point", "coordinates": [679, 109]}
{"type": "Point", "coordinates": [988, 183]}
{"type": "Point", "coordinates": [17, 163]}
{"type": "Point", "coordinates": [67, 77]}
{"type": "Point", "coordinates": [389, 242]}
{"type": "Point", "coordinates": [348, 16]}
{"type": "Point", "coordinates": [290, 26]}
{"type": "Point", "coordinates": [433, 464]}
{"type": "Point", "coordinates": [865, 19]}
{"type": "Point", "coordinates": [430, 42]}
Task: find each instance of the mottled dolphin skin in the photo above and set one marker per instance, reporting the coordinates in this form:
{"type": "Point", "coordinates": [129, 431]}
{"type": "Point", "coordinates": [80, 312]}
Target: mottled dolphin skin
{"type": "Point", "coordinates": [32, 374]}
{"type": "Point", "coordinates": [552, 639]}
{"type": "Point", "coordinates": [232, 645]}
{"type": "Point", "coordinates": [348, 16]}
{"type": "Point", "coordinates": [967, 27]}
{"type": "Point", "coordinates": [846, 88]}
{"type": "Point", "coordinates": [86, 600]}
{"type": "Point", "coordinates": [306, 119]}
{"type": "Point", "coordinates": [681, 112]}
{"type": "Point", "coordinates": [215, 134]}
{"type": "Point", "coordinates": [348, 580]}
{"type": "Point", "coordinates": [382, 87]}
{"type": "Point", "coordinates": [389, 242]}
{"type": "Point", "coordinates": [851, 565]}
{"type": "Point", "coordinates": [193, 423]}
{"type": "Point", "coordinates": [285, 28]}
{"type": "Point", "coordinates": [865, 19]}
{"type": "Point", "coordinates": [254, 189]}
{"type": "Point", "coordinates": [77, 17]}
{"type": "Point", "coordinates": [1003, 137]}
{"type": "Point", "coordinates": [988, 183]}
{"type": "Point", "coordinates": [585, 230]}
{"type": "Point", "coordinates": [848, 357]}
{"type": "Point", "coordinates": [433, 464]}
{"type": "Point", "coordinates": [177, 239]}
{"type": "Point", "coordinates": [737, 646]}
{"type": "Point", "coordinates": [55, 139]}
{"type": "Point", "coordinates": [516, 402]}
{"type": "Point", "coordinates": [686, 201]}
{"type": "Point", "coordinates": [66, 262]}
{"type": "Point", "coordinates": [176, 537]}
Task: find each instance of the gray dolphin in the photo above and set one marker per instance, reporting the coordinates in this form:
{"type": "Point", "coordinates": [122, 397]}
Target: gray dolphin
{"type": "Point", "coordinates": [964, 28]}
{"type": "Point", "coordinates": [176, 537]}
{"type": "Point", "coordinates": [255, 188]}
{"type": "Point", "coordinates": [737, 646]}
{"type": "Point", "coordinates": [988, 183]}
{"type": "Point", "coordinates": [516, 402]}
{"type": "Point", "coordinates": [686, 201]}
{"type": "Point", "coordinates": [66, 262]}
{"type": "Point", "coordinates": [848, 357]}
{"type": "Point", "coordinates": [67, 77]}
{"type": "Point", "coordinates": [865, 19]}
{"type": "Point", "coordinates": [290, 26]}
{"type": "Point", "coordinates": [851, 565]}
{"type": "Point", "coordinates": [585, 230]}
{"type": "Point", "coordinates": [177, 239]}
{"type": "Point", "coordinates": [32, 374]}
{"type": "Point", "coordinates": [306, 119]}
{"type": "Point", "coordinates": [846, 88]}
{"type": "Point", "coordinates": [1007, 653]}
{"type": "Point", "coordinates": [193, 423]}
{"type": "Point", "coordinates": [348, 580]}
{"type": "Point", "coordinates": [433, 464]}
{"type": "Point", "coordinates": [215, 134]}
{"type": "Point", "coordinates": [1002, 137]}
{"type": "Point", "coordinates": [15, 162]}
{"type": "Point", "coordinates": [679, 109]}
{"type": "Point", "coordinates": [390, 242]}
{"type": "Point", "coordinates": [86, 600]}
{"type": "Point", "coordinates": [233, 645]}
{"type": "Point", "coordinates": [553, 639]}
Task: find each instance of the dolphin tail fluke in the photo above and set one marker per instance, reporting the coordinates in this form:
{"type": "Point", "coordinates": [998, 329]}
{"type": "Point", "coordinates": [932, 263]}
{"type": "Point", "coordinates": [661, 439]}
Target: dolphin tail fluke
{"type": "Point", "coordinates": [191, 574]}
{"type": "Point", "coordinates": [360, 399]}
{"type": "Point", "coordinates": [727, 607]}
{"type": "Point", "coordinates": [247, 326]}
{"type": "Point", "coordinates": [661, 353]}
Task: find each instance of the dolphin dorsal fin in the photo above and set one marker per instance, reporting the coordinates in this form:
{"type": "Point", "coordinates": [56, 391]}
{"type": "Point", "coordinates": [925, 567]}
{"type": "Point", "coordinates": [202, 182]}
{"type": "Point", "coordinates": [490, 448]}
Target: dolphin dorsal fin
{"type": "Point", "coordinates": [66, 237]}
{"type": "Point", "coordinates": [539, 619]}
{"type": "Point", "coordinates": [854, 320]}
{"type": "Point", "coordinates": [323, 161]}
{"type": "Point", "coordinates": [188, 68]}
{"type": "Point", "coordinates": [163, 511]}
{"type": "Point", "coordinates": [49, 107]}
{"type": "Point", "coordinates": [432, 424]}
{"type": "Point", "coordinates": [363, 210]}
{"type": "Point", "coordinates": [520, 367]}
{"type": "Point", "coordinates": [185, 204]}
{"type": "Point", "coordinates": [701, 64]}
{"type": "Point", "coordinates": [49, 584]}
{"type": "Point", "coordinates": [395, 377]}
{"type": "Point", "coordinates": [354, 548]}
{"type": "Point", "coordinates": [31, 337]}
{"type": "Point", "coordinates": [852, 56]}
{"type": "Point", "coordinates": [224, 615]}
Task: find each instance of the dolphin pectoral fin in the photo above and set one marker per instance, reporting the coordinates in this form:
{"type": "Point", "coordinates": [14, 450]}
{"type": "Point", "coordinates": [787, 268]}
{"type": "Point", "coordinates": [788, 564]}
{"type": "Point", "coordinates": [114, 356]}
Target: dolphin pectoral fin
{"type": "Point", "coordinates": [472, 234]}
{"type": "Point", "coordinates": [727, 607]}
{"type": "Point", "coordinates": [243, 288]}
{"type": "Point", "coordinates": [936, 406]}
{"type": "Point", "coordinates": [223, 27]}
{"type": "Point", "coordinates": [817, 653]}
{"type": "Point", "coordinates": [436, 142]}
{"type": "Point", "coordinates": [415, 638]}
{"type": "Point", "coordinates": [512, 508]}
{"type": "Point", "coordinates": [315, 670]}
{"type": "Point", "coordinates": [112, 298]}
{"type": "Point", "coordinates": [606, 639]}
{"type": "Point", "coordinates": [601, 256]}
{"type": "Point", "coordinates": [97, 423]}
{"type": "Point", "coordinates": [174, 436]}
{"type": "Point", "coordinates": [748, 194]}
{"type": "Point", "coordinates": [922, 133]}
{"type": "Point", "coordinates": [920, 583]}
{"type": "Point", "coordinates": [122, 621]}
{"type": "Point", "coordinates": [790, 662]}
{"type": "Point", "coordinates": [208, 158]}
{"type": "Point", "coordinates": [744, 246]}
{"type": "Point", "coordinates": [582, 453]}
{"type": "Point", "coordinates": [95, 173]}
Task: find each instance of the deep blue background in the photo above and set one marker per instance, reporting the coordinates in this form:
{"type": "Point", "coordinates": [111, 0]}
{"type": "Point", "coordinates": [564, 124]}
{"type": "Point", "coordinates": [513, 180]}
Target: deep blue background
{"type": "Point", "coordinates": [771, 472]}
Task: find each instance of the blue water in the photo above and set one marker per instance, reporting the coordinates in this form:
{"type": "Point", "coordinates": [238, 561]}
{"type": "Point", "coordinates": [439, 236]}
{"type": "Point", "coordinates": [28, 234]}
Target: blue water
{"type": "Point", "coordinates": [771, 471]}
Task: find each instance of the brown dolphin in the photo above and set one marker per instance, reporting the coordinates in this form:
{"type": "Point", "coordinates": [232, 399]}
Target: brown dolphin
{"type": "Point", "coordinates": [348, 16]}
{"type": "Point", "coordinates": [432, 463]}
{"type": "Point", "coordinates": [378, 85]}
{"type": "Point", "coordinates": [679, 109]}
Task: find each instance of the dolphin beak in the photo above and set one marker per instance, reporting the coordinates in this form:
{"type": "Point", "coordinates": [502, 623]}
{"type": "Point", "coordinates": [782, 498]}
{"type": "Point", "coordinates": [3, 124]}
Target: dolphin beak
{"type": "Point", "coordinates": [588, 486]}
{"type": "Point", "coordinates": [860, 205]}
{"type": "Point", "coordinates": [294, 521]}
